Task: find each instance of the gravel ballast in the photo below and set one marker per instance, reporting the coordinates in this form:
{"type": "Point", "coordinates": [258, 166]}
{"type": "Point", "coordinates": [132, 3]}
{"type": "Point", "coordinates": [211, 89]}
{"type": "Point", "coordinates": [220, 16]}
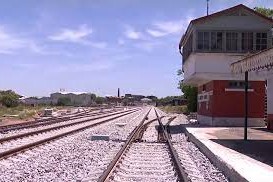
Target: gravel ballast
{"type": "Point", "coordinates": [71, 158]}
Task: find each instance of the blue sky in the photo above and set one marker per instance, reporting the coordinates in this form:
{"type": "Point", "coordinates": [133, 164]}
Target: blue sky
{"type": "Point", "coordinates": [97, 45]}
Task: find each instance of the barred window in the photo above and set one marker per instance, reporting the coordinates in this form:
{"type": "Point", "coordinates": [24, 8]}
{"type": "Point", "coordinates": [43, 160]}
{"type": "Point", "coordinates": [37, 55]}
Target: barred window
{"type": "Point", "coordinates": [261, 41]}
{"type": "Point", "coordinates": [203, 41]}
{"type": "Point", "coordinates": [216, 40]}
{"type": "Point", "coordinates": [247, 41]}
{"type": "Point", "coordinates": [232, 41]}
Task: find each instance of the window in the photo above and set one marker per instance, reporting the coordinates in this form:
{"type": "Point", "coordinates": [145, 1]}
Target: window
{"type": "Point", "coordinates": [238, 84]}
{"type": "Point", "coordinates": [247, 41]}
{"type": "Point", "coordinates": [232, 41]}
{"type": "Point", "coordinates": [261, 41]}
{"type": "Point", "coordinates": [216, 40]}
{"type": "Point", "coordinates": [203, 41]}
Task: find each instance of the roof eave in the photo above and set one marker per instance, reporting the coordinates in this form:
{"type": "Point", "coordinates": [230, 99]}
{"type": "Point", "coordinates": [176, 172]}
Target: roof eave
{"type": "Point", "coordinates": [185, 35]}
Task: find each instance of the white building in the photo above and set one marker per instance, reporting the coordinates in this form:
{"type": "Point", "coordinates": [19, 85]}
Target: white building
{"type": "Point", "coordinates": [209, 46]}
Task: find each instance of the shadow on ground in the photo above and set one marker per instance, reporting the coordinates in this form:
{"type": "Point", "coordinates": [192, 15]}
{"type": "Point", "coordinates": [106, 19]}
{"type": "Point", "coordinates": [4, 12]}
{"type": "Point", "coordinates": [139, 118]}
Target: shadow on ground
{"type": "Point", "coordinates": [263, 129]}
{"type": "Point", "coordinates": [260, 150]}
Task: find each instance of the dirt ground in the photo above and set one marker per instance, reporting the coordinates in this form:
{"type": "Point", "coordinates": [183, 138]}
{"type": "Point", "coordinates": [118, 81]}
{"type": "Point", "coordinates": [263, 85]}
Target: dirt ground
{"type": "Point", "coordinates": [10, 121]}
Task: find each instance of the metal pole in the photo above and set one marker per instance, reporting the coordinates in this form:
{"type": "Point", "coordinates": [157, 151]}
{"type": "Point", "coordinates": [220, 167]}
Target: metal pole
{"type": "Point", "coordinates": [207, 7]}
{"type": "Point", "coordinates": [246, 105]}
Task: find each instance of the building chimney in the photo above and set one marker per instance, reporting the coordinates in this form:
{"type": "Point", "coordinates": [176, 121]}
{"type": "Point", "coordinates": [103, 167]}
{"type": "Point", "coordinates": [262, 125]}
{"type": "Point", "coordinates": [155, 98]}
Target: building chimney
{"type": "Point", "coordinates": [118, 93]}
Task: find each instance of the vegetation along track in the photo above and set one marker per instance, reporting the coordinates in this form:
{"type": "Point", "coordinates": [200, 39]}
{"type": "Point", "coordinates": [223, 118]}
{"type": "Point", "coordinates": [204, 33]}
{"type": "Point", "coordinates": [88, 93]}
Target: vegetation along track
{"type": "Point", "coordinates": [145, 161]}
{"type": "Point", "coordinates": [48, 121]}
{"type": "Point", "coordinates": [21, 143]}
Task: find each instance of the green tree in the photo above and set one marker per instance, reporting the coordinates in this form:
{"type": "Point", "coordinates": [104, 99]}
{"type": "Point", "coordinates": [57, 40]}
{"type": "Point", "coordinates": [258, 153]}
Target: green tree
{"type": "Point", "coordinates": [167, 100]}
{"type": "Point", "coordinates": [100, 100]}
{"type": "Point", "coordinates": [265, 11]}
{"type": "Point", "coordinates": [9, 98]}
{"type": "Point", "coordinates": [93, 97]}
{"type": "Point", "coordinates": [190, 93]}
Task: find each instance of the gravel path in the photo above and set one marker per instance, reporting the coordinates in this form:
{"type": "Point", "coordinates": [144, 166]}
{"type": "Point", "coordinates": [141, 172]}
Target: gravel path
{"type": "Point", "coordinates": [71, 158]}
{"type": "Point", "coordinates": [146, 162]}
{"type": "Point", "coordinates": [197, 165]}
{"type": "Point", "coordinates": [180, 119]}
{"type": "Point", "coordinates": [151, 133]}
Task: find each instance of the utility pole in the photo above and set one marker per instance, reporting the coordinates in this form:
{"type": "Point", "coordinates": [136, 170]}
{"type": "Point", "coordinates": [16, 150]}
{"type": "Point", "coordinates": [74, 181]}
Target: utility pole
{"type": "Point", "coordinates": [246, 105]}
{"type": "Point", "coordinates": [207, 7]}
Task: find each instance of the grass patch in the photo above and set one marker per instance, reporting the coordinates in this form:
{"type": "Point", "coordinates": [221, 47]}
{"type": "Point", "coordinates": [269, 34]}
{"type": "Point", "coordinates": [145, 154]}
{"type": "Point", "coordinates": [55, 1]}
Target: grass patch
{"type": "Point", "coordinates": [174, 109]}
{"type": "Point", "coordinates": [22, 112]}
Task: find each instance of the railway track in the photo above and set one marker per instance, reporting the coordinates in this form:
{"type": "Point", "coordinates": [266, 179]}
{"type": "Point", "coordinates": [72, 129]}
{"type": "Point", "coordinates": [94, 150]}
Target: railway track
{"type": "Point", "coordinates": [20, 143]}
{"type": "Point", "coordinates": [145, 161]}
{"type": "Point", "coordinates": [48, 121]}
{"type": "Point", "coordinates": [8, 135]}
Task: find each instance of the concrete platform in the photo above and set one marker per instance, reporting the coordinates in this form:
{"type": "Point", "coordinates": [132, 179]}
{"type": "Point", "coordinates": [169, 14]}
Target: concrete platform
{"type": "Point", "coordinates": [240, 160]}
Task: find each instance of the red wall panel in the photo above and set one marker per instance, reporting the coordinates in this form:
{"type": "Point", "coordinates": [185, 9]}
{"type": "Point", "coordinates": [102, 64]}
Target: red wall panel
{"type": "Point", "coordinates": [231, 103]}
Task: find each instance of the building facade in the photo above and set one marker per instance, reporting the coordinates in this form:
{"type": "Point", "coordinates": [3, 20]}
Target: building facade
{"type": "Point", "coordinates": [75, 98]}
{"type": "Point", "coordinates": [209, 46]}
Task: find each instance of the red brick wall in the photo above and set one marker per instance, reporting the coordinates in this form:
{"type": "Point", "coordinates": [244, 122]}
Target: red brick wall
{"type": "Point", "coordinates": [231, 103]}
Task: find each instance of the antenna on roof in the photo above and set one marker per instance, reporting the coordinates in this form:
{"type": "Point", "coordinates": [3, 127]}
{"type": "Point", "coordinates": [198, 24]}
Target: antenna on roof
{"type": "Point", "coordinates": [207, 7]}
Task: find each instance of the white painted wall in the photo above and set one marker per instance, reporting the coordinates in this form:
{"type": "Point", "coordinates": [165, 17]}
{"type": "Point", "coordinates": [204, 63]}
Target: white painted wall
{"type": "Point", "coordinates": [204, 67]}
{"type": "Point", "coordinates": [189, 66]}
{"type": "Point", "coordinates": [214, 62]}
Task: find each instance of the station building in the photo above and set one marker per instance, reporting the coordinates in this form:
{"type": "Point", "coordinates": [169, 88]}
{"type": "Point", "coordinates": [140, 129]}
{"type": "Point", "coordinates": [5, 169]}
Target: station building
{"type": "Point", "coordinates": [208, 47]}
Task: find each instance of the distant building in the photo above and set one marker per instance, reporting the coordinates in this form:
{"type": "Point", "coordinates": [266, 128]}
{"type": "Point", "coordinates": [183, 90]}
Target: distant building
{"type": "Point", "coordinates": [147, 101]}
{"type": "Point", "coordinates": [134, 97]}
{"type": "Point", "coordinates": [76, 98]}
{"type": "Point", "coordinates": [178, 101]}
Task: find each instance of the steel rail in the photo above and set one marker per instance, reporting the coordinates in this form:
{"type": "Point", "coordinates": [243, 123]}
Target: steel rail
{"type": "Point", "coordinates": [106, 174]}
{"type": "Point", "coordinates": [14, 137]}
{"type": "Point", "coordinates": [141, 131]}
{"type": "Point", "coordinates": [50, 123]}
{"type": "Point", "coordinates": [182, 175]}
{"type": "Point", "coordinates": [170, 120]}
{"type": "Point", "coordinates": [14, 151]}
{"type": "Point", "coordinates": [41, 120]}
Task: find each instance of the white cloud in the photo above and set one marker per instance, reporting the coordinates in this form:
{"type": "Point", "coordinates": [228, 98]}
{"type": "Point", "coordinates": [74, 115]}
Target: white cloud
{"type": "Point", "coordinates": [156, 33]}
{"type": "Point", "coordinates": [163, 28]}
{"type": "Point", "coordinates": [79, 35]}
{"type": "Point", "coordinates": [10, 43]}
{"type": "Point", "coordinates": [72, 35]}
{"type": "Point", "coordinates": [130, 33]}
{"type": "Point", "coordinates": [84, 67]}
